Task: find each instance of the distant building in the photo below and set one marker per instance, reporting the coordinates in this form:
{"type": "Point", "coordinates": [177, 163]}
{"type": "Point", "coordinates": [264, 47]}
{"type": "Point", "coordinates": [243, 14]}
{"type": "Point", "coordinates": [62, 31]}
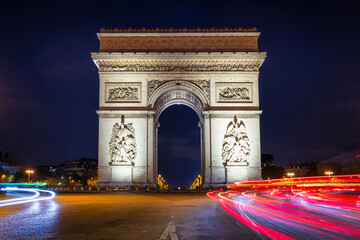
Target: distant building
{"type": "Point", "coordinates": [77, 168]}
{"type": "Point", "coordinates": [267, 160]}
{"type": "Point", "coordinates": [300, 170]}
{"type": "Point", "coordinates": [49, 169]}
{"type": "Point", "coordinates": [9, 164]}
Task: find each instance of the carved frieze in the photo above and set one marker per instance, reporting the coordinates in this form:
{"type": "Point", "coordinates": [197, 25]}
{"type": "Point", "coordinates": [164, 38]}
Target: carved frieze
{"type": "Point", "coordinates": [122, 92]}
{"type": "Point", "coordinates": [236, 146]}
{"type": "Point", "coordinates": [234, 92]}
{"type": "Point", "coordinates": [179, 66]}
{"type": "Point", "coordinates": [122, 145]}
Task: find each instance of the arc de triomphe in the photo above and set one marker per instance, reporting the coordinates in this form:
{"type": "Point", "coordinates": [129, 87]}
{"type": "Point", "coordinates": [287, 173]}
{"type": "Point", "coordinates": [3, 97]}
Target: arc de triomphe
{"type": "Point", "coordinates": [144, 71]}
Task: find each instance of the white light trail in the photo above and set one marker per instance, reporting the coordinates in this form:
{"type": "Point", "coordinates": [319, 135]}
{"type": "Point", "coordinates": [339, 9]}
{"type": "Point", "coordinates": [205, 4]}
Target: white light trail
{"type": "Point", "coordinates": [34, 198]}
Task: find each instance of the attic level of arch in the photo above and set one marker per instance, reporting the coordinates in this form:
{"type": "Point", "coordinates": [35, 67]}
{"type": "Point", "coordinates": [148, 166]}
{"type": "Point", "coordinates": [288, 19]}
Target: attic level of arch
{"type": "Point", "coordinates": [179, 40]}
{"type": "Point", "coordinates": [179, 44]}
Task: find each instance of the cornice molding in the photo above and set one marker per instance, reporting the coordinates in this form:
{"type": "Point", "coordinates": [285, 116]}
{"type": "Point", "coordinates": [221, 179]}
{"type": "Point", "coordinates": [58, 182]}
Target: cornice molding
{"type": "Point", "coordinates": [127, 114]}
{"type": "Point", "coordinates": [240, 116]}
{"type": "Point", "coordinates": [232, 114]}
{"type": "Point", "coordinates": [179, 65]}
{"type": "Point", "coordinates": [171, 30]}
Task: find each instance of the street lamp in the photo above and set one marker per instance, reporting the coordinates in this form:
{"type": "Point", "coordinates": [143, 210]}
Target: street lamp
{"type": "Point", "coordinates": [29, 172]}
{"type": "Point", "coordinates": [329, 173]}
{"type": "Point", "coordinates": [291, 174]}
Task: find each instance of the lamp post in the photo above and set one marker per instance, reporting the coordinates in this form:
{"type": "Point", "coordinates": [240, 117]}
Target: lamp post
{"type": "Point", "coordinates": [329, 173]}
{"type": "Point", "coordinates": [29, 172]}
{"type": "Point", "coordinates": [291, 174]}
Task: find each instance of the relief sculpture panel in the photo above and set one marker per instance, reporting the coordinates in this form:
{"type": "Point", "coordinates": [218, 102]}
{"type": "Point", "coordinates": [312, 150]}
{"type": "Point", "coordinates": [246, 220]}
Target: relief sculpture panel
{"type": "Point", "coordinates": [122, 92]}
{"type": "Point", "coordinates": [235, 146]}
{"type": "Point", "coordinates": [234, 92]}
{"type": "Point", "coordinates": [122, 145]}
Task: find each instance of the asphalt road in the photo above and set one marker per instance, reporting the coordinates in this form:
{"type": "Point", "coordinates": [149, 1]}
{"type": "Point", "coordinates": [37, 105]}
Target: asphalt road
{"type": "Point", "coordinates": [122, 215]}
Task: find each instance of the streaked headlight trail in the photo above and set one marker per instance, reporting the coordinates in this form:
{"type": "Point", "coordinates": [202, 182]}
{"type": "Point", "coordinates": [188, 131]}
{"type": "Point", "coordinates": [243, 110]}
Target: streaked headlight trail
{"type": "Point", "coordinates": [33, 198]}
{"type": "Point", "coordinates": [297, 208]}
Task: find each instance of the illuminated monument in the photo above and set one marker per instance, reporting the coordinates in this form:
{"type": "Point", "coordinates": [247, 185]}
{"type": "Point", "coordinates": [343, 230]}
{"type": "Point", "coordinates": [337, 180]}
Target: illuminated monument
{"type": "Point", "coordinates": [144, 71]}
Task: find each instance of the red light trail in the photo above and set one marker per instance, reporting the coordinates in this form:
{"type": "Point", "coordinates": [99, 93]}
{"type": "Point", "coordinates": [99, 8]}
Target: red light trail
{"type": "Point", "coordinates": [297, 208]}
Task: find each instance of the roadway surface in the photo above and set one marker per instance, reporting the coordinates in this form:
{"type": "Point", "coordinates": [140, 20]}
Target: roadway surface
{"type": "Point", "coordinates": [122, 215]}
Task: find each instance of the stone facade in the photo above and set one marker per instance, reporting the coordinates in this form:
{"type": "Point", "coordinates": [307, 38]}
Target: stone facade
{"type": "Point", "coordinates": [216, 79]}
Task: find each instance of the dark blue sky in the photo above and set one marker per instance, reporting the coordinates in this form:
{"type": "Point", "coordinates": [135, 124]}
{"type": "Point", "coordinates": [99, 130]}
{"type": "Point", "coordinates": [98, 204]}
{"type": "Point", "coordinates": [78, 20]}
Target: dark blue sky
{"type": "Point", "coordinates": [179, 145]}
{"type": "Point", "coordinates": [309, 83]}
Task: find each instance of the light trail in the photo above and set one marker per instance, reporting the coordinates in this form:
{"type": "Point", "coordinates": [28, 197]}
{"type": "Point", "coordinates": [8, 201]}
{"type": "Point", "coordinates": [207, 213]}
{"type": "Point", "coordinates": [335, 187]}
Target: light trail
{"type": "Point", "coordinates": [297, 208]}
{"type": "Point", "coordinates": [34, 198]}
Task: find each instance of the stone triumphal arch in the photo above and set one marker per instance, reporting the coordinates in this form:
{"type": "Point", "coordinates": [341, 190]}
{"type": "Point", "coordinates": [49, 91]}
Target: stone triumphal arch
{"type": "Point", "coordinates": [144, 71]}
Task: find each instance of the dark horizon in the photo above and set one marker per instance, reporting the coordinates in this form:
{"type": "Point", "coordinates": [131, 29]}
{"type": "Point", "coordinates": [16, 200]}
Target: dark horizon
{"type": "Point", "coordinates": [309, 84]}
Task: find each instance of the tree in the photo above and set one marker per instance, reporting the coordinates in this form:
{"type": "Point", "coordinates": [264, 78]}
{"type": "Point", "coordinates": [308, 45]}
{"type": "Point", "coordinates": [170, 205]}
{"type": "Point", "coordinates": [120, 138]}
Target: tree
{"type": "Point", "coordinates": [269, 169]}
{"type": "Point", "coordinates": [267, 159]}
{"type": "Point", "coordinates": [51, 181]}
{"type": "Point", "coordinates": [20, 177]}
{"type": "Point", "coordinates": [312, 166]}
{"type": "Point", "coordinates": [272, 171]}
{"type": "Point", "coordinates": [5, 175]}
{"type": "Point", "coordinates": [92, 181]}
{"type": "Point", "coordinates": [352, 168]}
{"type": "Point", "coordinates": [323, 167]}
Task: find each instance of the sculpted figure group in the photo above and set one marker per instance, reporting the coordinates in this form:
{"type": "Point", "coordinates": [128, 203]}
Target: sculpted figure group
{"type": "Point", "coordinates": [122, 143]}
{"type": "Point", "coordinates": [236, 147]}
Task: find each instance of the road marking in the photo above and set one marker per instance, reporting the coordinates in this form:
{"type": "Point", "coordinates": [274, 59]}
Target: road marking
{"type": "Point", "coordinates": [173, 236]}
{"type": "Point", "coordinates": [169, 230]}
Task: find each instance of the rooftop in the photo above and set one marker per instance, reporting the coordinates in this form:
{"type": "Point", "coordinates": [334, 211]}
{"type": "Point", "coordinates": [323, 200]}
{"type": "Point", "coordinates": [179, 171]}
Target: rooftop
{"type": "Point", "coordinates": [172, 30]}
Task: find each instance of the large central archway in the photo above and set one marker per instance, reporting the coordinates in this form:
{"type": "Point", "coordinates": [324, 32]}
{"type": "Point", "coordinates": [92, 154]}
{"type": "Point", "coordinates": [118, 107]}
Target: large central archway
{"type": "Point", "coordinates": [182, 96]}
{"type": "Point", "coordinates": [214, 72]}
{"type": "Point", "coordinates": [178, 146]}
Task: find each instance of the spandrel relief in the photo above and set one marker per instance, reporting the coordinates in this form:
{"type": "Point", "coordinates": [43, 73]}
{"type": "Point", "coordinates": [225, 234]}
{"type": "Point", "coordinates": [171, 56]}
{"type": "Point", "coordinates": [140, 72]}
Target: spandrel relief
{"type": "Point", "coordinates": [236, 146]}
{"type": "Point", "coordinates": [122, 145]}
{"type": "Point", "coordinates": [154, 84]}
{"type": "Point", "coordinates": [204, 85]}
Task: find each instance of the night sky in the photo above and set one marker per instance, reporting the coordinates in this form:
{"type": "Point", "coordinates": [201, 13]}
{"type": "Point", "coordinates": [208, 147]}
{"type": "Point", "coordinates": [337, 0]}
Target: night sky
{"type": "Point", "coordinates": [309, 82]}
